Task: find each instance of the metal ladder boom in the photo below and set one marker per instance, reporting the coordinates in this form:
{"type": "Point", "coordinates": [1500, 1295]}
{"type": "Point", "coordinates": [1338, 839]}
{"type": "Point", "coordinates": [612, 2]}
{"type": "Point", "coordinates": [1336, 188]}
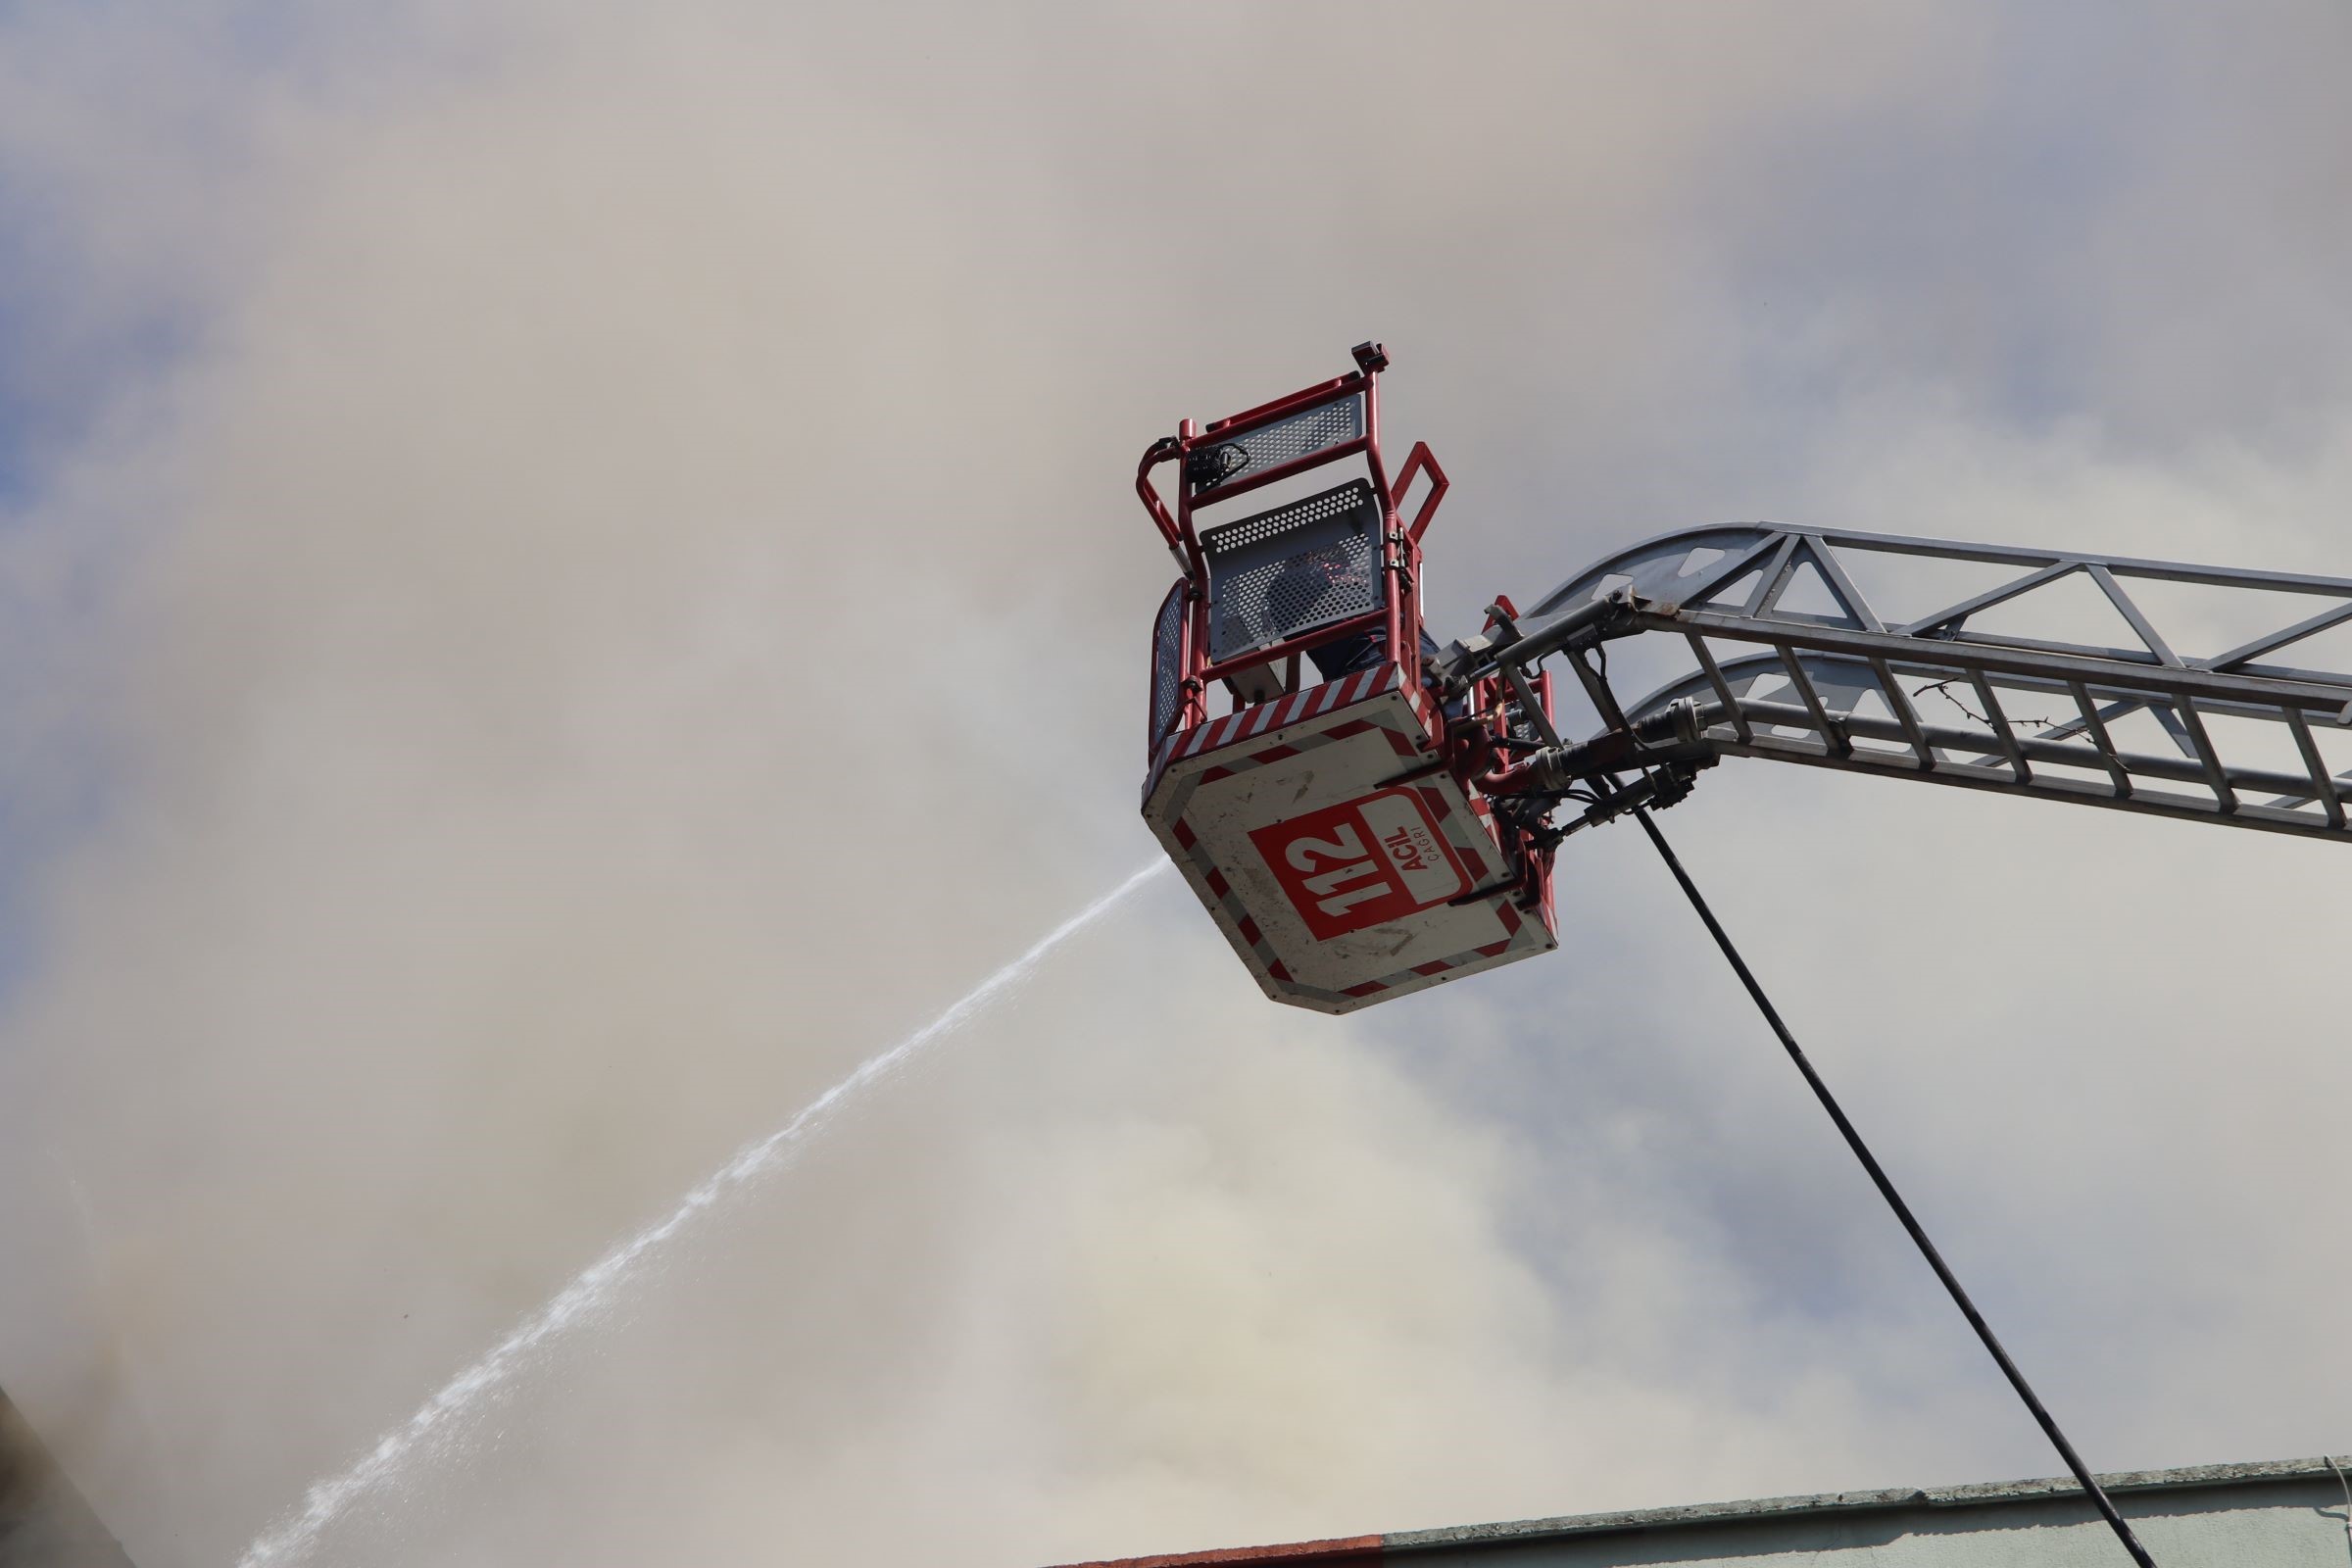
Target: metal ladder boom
{"type": "Point", "coordinates": [1835, 682]}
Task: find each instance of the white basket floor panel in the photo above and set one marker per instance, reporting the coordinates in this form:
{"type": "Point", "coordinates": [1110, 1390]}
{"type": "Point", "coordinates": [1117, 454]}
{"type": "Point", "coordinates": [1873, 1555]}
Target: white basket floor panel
{"type": "Point", "coordinates": [1332, 868]}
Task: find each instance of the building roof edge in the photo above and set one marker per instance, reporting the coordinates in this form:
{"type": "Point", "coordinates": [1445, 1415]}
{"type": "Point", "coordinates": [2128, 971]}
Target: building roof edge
{"type": "Point", "coordinates": [2050, 1489]}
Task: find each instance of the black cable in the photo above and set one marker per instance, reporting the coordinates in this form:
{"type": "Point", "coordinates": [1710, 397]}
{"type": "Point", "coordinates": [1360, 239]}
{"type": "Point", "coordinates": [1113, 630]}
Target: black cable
{"type": "Point", "coordinates": [1894, 1201]}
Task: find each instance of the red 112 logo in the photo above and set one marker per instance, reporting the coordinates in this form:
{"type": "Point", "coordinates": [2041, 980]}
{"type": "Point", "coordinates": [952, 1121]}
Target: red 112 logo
{"type": "Point", "coordinates": [1362, 862]}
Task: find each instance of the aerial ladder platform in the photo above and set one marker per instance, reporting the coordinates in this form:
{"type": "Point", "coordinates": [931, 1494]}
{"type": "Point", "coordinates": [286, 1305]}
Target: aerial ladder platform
{"type": "Point", "coordinates": [1366, 813]}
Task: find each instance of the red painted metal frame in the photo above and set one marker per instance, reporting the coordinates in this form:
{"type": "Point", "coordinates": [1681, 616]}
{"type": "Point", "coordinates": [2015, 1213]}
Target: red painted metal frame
{"type": "Point", "coordinates": [1415, 462]}
{"type": "Point", "coordinates": [1397, 617]}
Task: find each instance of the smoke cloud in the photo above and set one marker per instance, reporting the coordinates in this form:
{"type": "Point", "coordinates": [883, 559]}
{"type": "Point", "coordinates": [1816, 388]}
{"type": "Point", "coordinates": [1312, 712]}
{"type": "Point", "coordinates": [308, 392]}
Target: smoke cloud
{"type": "Point", "coordinates": [569, 575]}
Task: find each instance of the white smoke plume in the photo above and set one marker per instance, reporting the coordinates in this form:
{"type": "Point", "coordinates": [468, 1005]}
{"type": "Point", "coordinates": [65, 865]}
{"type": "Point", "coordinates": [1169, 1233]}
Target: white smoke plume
{"type": "Point", "coordinates": [570, 576]}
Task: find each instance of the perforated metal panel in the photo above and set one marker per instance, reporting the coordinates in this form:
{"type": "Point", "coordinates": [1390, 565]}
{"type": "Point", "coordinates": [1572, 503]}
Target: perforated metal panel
{"type": "Point", "coordinates": [1301, 435]}
{"type": "Point", "coordinates": [1168, 665]}
{"type": "Point", "coordinates": [1291, 569]}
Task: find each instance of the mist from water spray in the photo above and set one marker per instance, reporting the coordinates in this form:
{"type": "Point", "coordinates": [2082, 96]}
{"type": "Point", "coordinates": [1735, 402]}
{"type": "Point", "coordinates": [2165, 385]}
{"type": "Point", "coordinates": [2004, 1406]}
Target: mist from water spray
{"type": "Point", "coordinates": [438, 1426]}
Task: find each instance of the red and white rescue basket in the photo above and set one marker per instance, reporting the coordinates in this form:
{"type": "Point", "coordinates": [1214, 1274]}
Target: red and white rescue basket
{"type": "Point", "coordinates": [1328, 815]}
